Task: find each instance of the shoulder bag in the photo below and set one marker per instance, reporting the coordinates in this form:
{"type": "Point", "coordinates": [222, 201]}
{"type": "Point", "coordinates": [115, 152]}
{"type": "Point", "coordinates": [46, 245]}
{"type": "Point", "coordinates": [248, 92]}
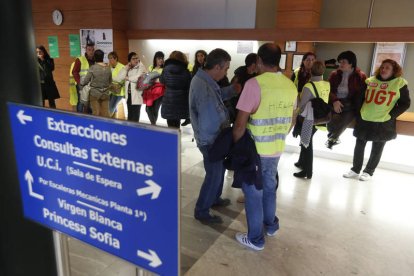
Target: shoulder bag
{"type": "Point", "coordinates": [321, 110]}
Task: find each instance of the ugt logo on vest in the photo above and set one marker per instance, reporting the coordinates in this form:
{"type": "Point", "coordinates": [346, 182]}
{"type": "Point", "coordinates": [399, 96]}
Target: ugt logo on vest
{"type": "Point", "coordinates": [379, 97]}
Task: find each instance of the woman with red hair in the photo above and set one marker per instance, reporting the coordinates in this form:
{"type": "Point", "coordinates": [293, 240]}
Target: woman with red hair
{"type": "Point", "coordinates": [385, 98]}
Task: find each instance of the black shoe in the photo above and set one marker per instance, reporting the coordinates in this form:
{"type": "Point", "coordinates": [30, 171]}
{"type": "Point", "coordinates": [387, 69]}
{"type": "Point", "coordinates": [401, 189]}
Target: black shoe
{"type": "Point", "coordinates": [186, 122]}
{"type": "Point", "coordinates": [302, 174]}
{"type": "Point", "coordinates": [298, 165]}
{"type": "Point", "coordinates": [332, 142]}
{"type": "Point", "coordinates": [222, 202]}
{"type": "Point", "coordinates": [209, 219]}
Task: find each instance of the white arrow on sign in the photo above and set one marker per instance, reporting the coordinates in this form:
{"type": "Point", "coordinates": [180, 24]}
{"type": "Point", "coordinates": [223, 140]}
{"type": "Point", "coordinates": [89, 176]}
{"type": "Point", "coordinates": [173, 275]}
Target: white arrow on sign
{"type": "Point", "coordinates": [29, 178]}
{"type": "Point", "coordinates": [23, 118]}
{"type": "Point", "coordinates": [153, 188]}
{"type": "Point", "coordinates": [152, 257]}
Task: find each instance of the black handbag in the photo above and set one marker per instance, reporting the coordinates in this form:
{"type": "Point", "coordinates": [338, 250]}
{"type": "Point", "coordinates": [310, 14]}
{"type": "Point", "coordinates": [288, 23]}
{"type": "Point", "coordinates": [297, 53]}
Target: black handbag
{"type": "Point", "coordinates": [322, 112]}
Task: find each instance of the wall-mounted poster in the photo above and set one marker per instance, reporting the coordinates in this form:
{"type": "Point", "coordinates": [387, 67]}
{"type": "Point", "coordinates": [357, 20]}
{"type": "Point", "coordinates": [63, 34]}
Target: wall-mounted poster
{"type": "Point", "coordinates": [74, 45]}
{"type": "Point", "coordinates": [391, 50]}
{"type": "Point", "coordinates": [53, 46]}
{"type": "Point", "coordinates": [282, 63]}
{"type": "Point", "coordinates": [102, 38]}
{"type": "Point", "coordinates": [297, 61]}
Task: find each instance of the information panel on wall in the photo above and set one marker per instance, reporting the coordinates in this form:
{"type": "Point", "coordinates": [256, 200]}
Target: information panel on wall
{"type": "Point", "coordinates": [101, 38]}
{"type": "Point", "coordinates": [112, 184]}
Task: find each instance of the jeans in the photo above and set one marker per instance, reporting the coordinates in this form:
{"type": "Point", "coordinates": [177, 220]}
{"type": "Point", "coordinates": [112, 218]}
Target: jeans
{"type": "Point", "coordinates": [374, 157]}
{"type": "Point", "coordinates": [212, 186]}
{"type": "Point", "coordinates": [80, 107]}
{"type": "Point", "coordinates": [113, 103]}
{"type": "Point", "coordinates": [260, 205]}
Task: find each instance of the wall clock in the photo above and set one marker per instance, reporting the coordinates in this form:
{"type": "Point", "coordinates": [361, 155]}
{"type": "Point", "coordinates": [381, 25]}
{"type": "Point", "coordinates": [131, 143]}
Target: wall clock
{"type": "Point", "coordinates": [57, 17]}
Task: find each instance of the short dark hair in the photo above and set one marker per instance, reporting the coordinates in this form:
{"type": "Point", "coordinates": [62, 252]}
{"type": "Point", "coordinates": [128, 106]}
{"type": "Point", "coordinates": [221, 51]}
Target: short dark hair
{"type": "Point", "coordinates": [130, 55]}
{"type": "Point", "coordinates": [350, 57]}
{"type": "Point", "coordinates": [90, 44]}
{"type": "Point", "coordinates": [98, 56]}
{"type": "Point", "coordinates": [270, 54]}
{"type": "Point", "coordinates": [250, 59]}
{"type": "Point", "coordinates": [217, 57]}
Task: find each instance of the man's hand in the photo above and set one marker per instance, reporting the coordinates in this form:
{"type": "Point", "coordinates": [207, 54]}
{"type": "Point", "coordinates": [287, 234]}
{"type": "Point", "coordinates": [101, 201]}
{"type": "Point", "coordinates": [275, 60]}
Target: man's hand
{"type": "Point", "coordinates": [337, 105]}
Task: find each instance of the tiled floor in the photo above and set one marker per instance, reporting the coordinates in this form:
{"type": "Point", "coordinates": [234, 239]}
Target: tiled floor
{"type": "Point", "coordinates": [329, 226]}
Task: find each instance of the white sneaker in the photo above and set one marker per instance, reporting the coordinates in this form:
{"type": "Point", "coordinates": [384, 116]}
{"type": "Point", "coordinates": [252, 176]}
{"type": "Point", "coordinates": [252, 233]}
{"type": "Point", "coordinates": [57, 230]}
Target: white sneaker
{"type": "Point", "coordinates": [244, 240]}
{"type": "Point", "coordinates": [270, 234]}
{"type": "Point", "coordinates": [365, 176]}
{"type": "Point", "coordinates": [350, 174]}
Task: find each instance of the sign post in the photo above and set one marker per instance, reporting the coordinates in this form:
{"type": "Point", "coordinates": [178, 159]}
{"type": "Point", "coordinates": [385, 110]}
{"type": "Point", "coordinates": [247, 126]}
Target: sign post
{"type": "Point", "coordinates": [112, 184]}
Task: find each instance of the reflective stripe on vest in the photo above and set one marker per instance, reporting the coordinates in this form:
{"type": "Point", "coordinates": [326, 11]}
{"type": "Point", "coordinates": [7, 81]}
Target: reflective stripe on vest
{"type": "Point", "coordinates": [271, 122]}
{"type": "Point", "coordinates": [380, 98]}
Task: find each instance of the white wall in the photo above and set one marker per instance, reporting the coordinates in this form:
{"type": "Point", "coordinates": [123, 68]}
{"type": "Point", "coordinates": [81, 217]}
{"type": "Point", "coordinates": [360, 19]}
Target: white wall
{"type": "Point", "coordinates": [147, 48]}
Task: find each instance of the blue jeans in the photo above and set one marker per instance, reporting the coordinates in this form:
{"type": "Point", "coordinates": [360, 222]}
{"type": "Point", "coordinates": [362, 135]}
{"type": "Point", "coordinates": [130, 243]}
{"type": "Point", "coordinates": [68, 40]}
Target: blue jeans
{"type": "Point", "coordinates": [260, 205]}
{"type": "Point", "coordinates": [79, 106]}
{"type": "Point", "coordinates": [212, 186]}
{"type": "Point", "coordinates": [113, 103]}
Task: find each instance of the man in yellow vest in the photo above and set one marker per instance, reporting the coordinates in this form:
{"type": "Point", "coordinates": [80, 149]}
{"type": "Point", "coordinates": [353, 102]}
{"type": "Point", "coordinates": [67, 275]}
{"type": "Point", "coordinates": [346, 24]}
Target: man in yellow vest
{"type": "Point", "coordinates": [80, 69]}
{"type": "Point", "coordinates": [266, 108]}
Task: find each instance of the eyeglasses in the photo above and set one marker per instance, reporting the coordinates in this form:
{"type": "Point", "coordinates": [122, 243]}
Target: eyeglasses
{"type": "Point", "coordinates": [135, 58]}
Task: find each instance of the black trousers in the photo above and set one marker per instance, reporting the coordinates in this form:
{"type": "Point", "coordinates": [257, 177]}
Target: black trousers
{"type": "Point", "coordinates": [306, 155]}
{"type": "Point", "coordinates": [153, 110]}
{"type": "Point", "coordinates": [374, 157]}
{"type": "Point", "coordinates": [173, 123]}
{"type": "Point", "coordinates": [134, 111]}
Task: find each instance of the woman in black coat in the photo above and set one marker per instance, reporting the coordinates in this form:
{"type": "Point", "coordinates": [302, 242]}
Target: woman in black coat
{"type": "Point", "coordinates": [48, 85]}
{"type": "Point", "coordinates": [176, 78]}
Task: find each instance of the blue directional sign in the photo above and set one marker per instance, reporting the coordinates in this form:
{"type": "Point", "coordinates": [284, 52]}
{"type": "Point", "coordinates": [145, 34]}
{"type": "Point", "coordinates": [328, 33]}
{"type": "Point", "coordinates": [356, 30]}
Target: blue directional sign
{"type": "Point", "coordinates": [111, 184]}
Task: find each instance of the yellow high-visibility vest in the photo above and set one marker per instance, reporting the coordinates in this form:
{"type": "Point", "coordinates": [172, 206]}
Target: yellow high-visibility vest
{"type": "Point", "coordinates": [115, 73]}
{"type": "Point", "coordinates": [380, 98]}
{"type": "Point", "coordinates": [84, 67]}
{"type": "Point", "coordinates": [296, 82]}
{"type": "Point", "coordinates": [272, 120]}
{"type": "Point", "coordinates": [73, 96]}
{"type": "Point", "coordinates": [323, 88]}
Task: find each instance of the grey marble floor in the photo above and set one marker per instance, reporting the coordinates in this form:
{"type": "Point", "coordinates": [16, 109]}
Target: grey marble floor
{"type": "Point", "coordinates": [329, 226]}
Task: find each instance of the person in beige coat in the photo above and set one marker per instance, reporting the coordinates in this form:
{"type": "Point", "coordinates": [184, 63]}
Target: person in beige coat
{"type": "Point", "coordinates": [130, 74]}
